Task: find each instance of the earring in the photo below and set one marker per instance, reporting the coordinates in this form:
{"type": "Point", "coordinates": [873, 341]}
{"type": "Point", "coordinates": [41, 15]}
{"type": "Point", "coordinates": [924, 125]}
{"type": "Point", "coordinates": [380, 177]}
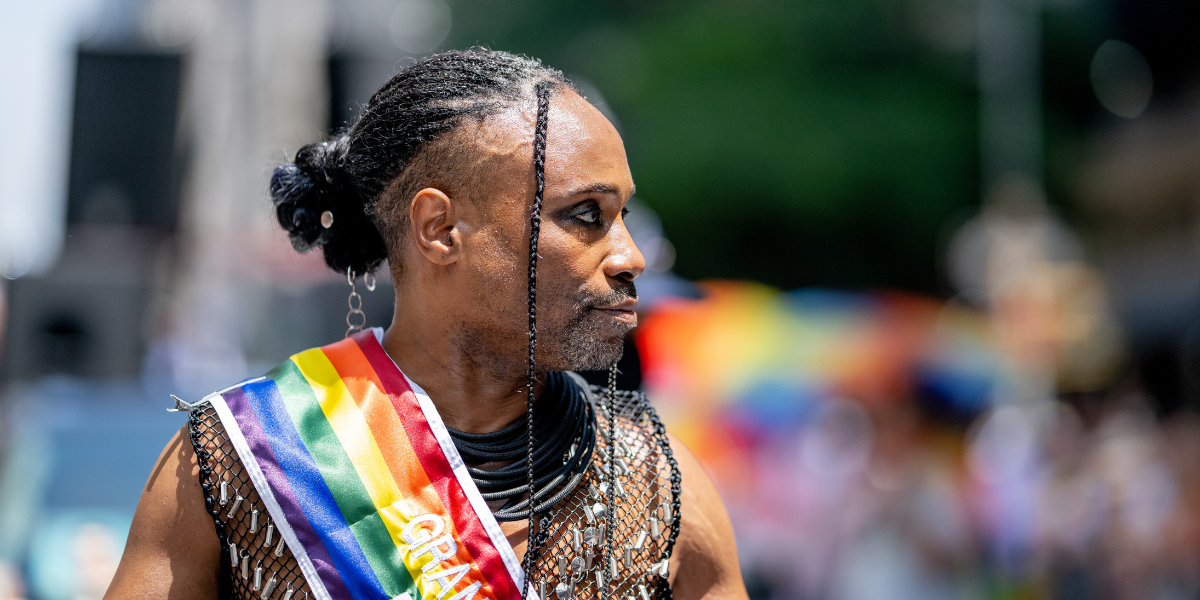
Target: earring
{"type": "Point", "coordinates": [327, 219]}
{"type": "Point", "coordinates": [355, 302]}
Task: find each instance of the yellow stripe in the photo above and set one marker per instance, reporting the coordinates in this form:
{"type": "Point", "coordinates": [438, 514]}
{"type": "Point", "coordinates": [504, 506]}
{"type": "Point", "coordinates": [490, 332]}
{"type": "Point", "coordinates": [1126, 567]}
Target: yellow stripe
{"type": "Point", "coordinates": [351, 428]}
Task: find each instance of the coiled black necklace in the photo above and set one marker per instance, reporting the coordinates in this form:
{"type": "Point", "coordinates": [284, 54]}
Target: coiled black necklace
{"type": "Point", "coordinates": [565, 429]}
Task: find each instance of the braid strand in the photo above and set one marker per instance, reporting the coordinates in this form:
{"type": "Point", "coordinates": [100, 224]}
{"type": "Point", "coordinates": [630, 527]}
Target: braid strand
{"type": "Point", "coordinates": [535, 223]}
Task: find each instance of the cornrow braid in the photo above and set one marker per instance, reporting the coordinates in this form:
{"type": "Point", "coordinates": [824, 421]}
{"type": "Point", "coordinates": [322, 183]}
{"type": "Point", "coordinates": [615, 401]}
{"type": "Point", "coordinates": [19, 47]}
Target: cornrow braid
{"type": "Point", "coordinates": [535, 226]}
{"type": "Point", "coordinates": [391, 147]}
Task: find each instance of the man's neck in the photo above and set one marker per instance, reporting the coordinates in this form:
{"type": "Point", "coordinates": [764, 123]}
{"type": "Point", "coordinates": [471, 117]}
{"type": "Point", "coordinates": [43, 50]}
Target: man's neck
{"type": "Point", "coordinates": [468, 397]}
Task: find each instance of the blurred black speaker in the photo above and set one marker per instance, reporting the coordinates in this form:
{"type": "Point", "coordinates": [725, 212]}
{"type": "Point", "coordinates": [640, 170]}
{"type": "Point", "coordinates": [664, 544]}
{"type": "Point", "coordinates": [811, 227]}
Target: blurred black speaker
{"type": "Point", "coordinates": [86, 316]}
{"type": "Point", "coordinates": [124, 164]}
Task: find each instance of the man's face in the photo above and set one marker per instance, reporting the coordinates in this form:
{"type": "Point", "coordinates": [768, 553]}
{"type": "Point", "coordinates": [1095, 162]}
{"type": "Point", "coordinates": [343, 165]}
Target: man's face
{"type": "Point", "coordinates": [585, 290]}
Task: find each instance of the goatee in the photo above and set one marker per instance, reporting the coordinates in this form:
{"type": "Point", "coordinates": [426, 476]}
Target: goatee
{"type": "Point", "coordinates": [591, 339]}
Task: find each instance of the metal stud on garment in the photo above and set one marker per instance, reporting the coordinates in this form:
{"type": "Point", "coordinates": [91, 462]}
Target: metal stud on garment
{"type": "Point", "coordinates": [270, 534]}
{"type": "Point", "coordinates": [628, 556]}
{"type": "Point", "coordinates": [660, 568]}
{"type": "Point", "coordinates": [620, 462]}
{"type": "Point", "coordinates": [587, 512]}
{"type": "Point", "coordinates": [562, 567]}
{"type": "Point", "coordinates": [267, 589]}
{"type": "Point", "coordinates": [565, 590]}
{"type": "Point", "coordinates": [643, 592]}
{"type": "Point", "coordinates": [591, 536]}
{"type": "Point", "coordinates": [612, 567]}
{"type": "Point", "coordinates": [655, 532]}
{"type": "Point", "coordinates": [641, 540]}
{"type": "Point", "coordinates": [245, 565]}
{"type": "Point", "coordinates": [232, 509]}
{"type": "Point", "coordinates": [224, 493]}
{"type": "Point", "coordinates": [254, 521]}
{"type": "Point", "coordinates": [288, 594]}
{"type": "Point", "coordinates": [233, 554]}
{"type": "Point", "coordinates": [258, 577]}
{"type": "Point", "coordinates": [542, 591]}
{"type": "Point", "coordinates": [576, 540]}
{"type": "Point", "coordinates": [279, 548]}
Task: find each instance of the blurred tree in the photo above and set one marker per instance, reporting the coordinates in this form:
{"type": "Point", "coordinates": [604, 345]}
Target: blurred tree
{"type": "Point", "coordinates": [795, 143]}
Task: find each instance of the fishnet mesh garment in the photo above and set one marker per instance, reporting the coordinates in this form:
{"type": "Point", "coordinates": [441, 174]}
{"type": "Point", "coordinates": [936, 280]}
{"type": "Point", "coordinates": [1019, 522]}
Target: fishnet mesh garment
{"type": "Point", "coordinates": [651, 491]}
{"type": "Point", "coordinates": [650, 488]}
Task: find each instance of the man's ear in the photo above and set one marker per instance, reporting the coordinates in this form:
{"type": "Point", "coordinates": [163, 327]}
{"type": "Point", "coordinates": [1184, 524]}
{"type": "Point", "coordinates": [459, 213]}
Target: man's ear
{"type": "Point", "coordinates": [433, 219]}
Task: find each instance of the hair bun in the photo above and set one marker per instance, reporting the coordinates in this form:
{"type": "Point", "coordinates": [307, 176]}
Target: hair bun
{"type": "Point", "coordinates": [314, 182]}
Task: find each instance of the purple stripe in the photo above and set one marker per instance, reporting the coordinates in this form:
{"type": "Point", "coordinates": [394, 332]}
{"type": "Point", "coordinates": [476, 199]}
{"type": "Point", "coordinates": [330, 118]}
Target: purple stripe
{"type": "Point", "coordinates": [260, 447]}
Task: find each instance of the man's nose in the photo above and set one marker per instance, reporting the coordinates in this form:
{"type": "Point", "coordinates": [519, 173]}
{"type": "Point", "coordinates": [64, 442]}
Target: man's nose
{"type": "Point", "coordinates": [625, 261]}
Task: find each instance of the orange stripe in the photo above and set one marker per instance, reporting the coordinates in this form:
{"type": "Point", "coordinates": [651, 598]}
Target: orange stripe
{"type": "Point", "coordinates": [364, 386]}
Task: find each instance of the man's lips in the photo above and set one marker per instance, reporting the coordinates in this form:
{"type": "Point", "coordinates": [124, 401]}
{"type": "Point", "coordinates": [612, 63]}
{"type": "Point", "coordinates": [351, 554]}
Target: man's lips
{"type": "Point", "coordinates": [621, 311]}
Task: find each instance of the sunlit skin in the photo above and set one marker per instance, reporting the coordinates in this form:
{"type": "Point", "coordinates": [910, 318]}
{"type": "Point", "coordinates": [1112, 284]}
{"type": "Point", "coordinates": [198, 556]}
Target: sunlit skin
{"type": "Point", "coordinates": [461, 308]}
{"type": "Point", "coordinates": [459, 331]}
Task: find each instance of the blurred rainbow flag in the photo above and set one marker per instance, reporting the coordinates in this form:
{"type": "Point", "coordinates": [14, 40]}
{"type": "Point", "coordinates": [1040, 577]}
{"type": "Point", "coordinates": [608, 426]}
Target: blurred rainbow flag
{"type": "Point", "coordinates": [747, 365]}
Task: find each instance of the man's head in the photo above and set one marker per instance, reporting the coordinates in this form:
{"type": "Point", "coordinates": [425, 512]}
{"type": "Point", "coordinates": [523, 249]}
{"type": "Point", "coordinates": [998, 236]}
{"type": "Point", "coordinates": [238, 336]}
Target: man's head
{"type": "Point", "coordinates": [438, 175]}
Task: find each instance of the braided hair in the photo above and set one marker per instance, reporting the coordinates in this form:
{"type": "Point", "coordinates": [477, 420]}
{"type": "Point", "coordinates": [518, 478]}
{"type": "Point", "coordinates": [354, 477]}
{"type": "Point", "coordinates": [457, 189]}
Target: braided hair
{"type": "Point", "coordinates": [391, 139]}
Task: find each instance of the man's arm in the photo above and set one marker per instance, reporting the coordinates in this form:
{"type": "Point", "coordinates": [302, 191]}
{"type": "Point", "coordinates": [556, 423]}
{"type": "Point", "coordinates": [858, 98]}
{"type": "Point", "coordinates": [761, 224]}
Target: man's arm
{"type": "Point", "coordinates": [172, 551]}
{"type": "Point", "coordinates": [705, 562]}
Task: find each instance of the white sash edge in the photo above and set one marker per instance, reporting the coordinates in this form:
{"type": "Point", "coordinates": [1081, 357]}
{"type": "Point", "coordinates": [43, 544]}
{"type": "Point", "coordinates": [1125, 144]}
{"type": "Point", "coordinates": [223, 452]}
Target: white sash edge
{"type": "Point", "coordinates": [250, 463]}
{"type": "Point", "coordinates": [490, 525]}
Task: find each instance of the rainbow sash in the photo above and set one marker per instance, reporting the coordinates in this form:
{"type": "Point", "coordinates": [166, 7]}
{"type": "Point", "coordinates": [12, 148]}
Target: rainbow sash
{"type": "Point", "coordinates": [363, 482]}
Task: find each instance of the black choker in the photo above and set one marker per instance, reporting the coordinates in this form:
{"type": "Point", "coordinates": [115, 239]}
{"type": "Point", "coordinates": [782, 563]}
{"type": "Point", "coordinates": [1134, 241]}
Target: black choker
{"type": "Point", "coordinates": [564, 436]}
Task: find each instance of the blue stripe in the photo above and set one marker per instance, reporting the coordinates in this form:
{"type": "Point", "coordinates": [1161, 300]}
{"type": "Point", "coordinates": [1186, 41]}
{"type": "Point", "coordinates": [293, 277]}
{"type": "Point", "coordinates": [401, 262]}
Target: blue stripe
{"type": "Point", "coordinates": [310, 489]}
{"type": "Point", "coordinates": [260, 447]}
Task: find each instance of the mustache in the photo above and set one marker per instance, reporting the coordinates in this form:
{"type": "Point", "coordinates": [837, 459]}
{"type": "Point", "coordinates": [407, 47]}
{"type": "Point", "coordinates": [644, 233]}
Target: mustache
{"type": "Point", "coordinates": [621, 292]}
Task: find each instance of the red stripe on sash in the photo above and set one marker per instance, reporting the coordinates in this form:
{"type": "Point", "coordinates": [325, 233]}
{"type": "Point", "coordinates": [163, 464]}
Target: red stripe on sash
{"type": "Point", "coordinates": [362, 381]}
{"type": "Point", "coordinates": [429, 454]}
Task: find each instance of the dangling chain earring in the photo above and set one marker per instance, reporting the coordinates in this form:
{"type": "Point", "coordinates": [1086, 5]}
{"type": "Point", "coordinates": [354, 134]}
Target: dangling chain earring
{"type": "Point", "coordinates": [355, 302]}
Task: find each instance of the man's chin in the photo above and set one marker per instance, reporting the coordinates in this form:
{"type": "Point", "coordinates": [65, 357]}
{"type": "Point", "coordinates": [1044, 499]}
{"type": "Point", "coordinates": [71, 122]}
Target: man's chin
{"type": "Point", "coordinates": [592, 342]}
{"type": "Point", "coordinates": [597, 358]}
{"type": "Point", "coordinates": [584, 352]}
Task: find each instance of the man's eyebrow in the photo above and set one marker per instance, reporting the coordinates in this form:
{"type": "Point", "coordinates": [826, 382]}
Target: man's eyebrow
{"type": "Point", "coordinates": [595, 188]}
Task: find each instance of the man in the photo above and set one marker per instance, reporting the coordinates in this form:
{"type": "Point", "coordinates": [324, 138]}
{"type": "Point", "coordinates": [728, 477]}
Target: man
{"type": "Point", "coordinates": [398, 464]}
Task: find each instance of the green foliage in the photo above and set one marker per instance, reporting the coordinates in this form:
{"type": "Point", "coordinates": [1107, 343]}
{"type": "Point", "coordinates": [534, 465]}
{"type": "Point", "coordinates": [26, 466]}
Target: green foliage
{"type": "Point", "coordinates": [795, 143]}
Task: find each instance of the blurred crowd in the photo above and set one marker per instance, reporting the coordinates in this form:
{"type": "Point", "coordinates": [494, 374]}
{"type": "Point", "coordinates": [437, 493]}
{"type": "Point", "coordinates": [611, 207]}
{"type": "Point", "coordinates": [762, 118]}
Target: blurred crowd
{"type": "Point", "coordinates": [880, 454]}
{"type": "Point", "coordinates": [1026, 502]}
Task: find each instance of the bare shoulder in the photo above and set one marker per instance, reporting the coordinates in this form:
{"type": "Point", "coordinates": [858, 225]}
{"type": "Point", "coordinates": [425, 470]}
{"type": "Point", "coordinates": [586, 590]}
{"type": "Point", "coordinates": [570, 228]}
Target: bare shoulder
{"type": "Point", "coordinates": [172, 550]}
{"type": "Point", "coordinates": [704, 564]}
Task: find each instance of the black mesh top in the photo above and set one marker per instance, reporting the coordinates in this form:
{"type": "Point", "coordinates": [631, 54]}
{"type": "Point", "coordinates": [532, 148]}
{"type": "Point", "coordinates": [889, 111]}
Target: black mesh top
{"type": "Point", "coordinates": [646, 520]}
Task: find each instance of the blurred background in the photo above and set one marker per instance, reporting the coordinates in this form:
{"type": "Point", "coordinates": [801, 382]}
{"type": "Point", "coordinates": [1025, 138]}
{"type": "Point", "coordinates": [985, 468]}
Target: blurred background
{"type": "Point", "coordinates": [924, 292]}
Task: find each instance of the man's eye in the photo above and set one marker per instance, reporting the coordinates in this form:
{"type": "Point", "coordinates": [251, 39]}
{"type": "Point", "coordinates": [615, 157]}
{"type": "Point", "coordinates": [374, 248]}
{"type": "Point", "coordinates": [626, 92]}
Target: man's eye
{"type": "Point", "coordinates": [590, 217]}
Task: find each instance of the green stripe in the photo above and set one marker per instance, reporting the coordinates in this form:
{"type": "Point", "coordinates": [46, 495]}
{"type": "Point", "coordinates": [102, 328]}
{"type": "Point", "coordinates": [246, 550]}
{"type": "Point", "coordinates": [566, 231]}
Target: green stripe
{"type": "Point", "coordinates": [339, 474]}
